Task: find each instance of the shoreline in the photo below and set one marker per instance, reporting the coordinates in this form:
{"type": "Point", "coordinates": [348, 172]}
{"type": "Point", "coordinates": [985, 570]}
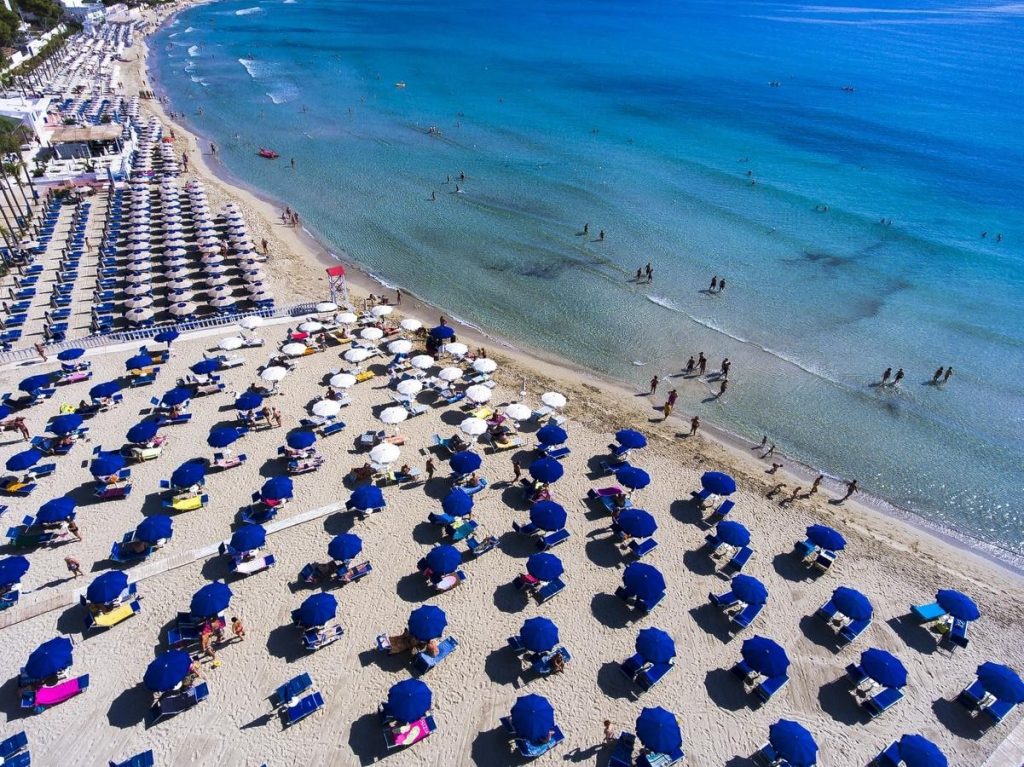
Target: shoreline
{"type": "Point", "coordinates": [312, 250]}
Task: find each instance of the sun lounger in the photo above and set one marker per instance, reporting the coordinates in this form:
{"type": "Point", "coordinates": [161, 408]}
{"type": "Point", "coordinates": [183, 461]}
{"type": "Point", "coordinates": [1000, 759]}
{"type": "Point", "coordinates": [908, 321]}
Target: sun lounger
{"type": "Point", "coordinates": [647, 678]}
{"type": "Point", "coordinates": [551, 540]}
{"type": "Point", "coordinates": [424, 661]}
{"type": "Point", "coordinates": [478, 546]}
{"type": "Point", "coordinates": [724, 601]}
{"type": "Point", "coordinates": [449, 582]}
{"type": "Point", "coordinates": [113, 492]}
{"type": "Point", "coordinates": [254, 565]}
{"type": "Point", "coordinates": [640, 548]}
{"type": "Point", "coordinates": [224, 462]}
{"type": "Point", "coordinates": [303, 708]}
{"type": "Point", "coordinates": [543, 664]}
{"type": "Point", "coordinates": [622, 754]}
{"type": "Point", "coordinates": [142, 380]}
{"type": "Point", "coordinates": [182, 636]}
{"type": "Point", "coordinates": [957, 634]}
{"type": "Point", "coordinates": [856, 674]}
{"type": "Point", "coordinates": [996, 712]}
{"type": "Point", "coordinates": [403, 735]}
{"type": "Point", "coordinates": [110, 618]}
{"type": "Point", "coordinates": [13, 745]}
{"type": "Point", "coordinates": [743, 619]}
{"type": "Point", "coordinates": [290, 689]}
{"type": "Point", "coordinates": [185, 503]}
{"type": "Point", "coordinates": [647, 606]}
{"type": "Point", "coordinates": [927, 613]}
{"type": "Point", "coordinates": [971, 696]}
{"type": "Point", "coordinates": [175, 421]}
{"type": "Point", "coordinates": [142, 454]}
{"type": "Point", "coordinates": [853, 630]}
{"type": "Point", "coordinates": [55, 694]}
{"type": "Point", "coordinates": [259, 513]}
{"type": "Point", "coordinates": [528, 529]}
{"type": "Point", "coordinates": [503, 443]}
{"type": "Point", "coordinates": [703, 496]}
{"type": "Point", "coordinates": [739, 559]}
{"type": "Point", "coordinates": [890, 757]}
{"type": "Point", "coordinates": [883, 701]}
{"type": "Point", "coordinates": [633, 665]}
{"type": "Point", "coordinates": [721, 512]}
{"type": "Point", "coordinates": [474, 489]}
{"type": "Point", "coordinates": [171, 705]}
{"type": "Point", "coordinates": [42, 470]}
{"type": "Point", "coordinates": [770, 686]}
{"type": "Point", "coordinates": [9, 598]}
{"type": "Point", "coordinates": [558, 453]}
{"type": "Point", "coordinates": [314, 639]}
{"type": "Point", "coordinates": [145, 759]}
{"type": "Point", "coordinates": [530, 750]}
{"type": "Point", "coordinates": [549, 589]}
{"type": "Point", "coordinates": [17, 488]}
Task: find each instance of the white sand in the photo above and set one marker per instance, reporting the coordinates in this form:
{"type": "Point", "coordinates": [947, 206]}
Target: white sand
{"type": "Point", "coordinates": [893, 564]}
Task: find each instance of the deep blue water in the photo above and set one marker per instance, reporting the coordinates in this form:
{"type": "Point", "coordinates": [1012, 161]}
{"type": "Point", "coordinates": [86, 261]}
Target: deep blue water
{"type": "Point", "coordinates": [644, 119]}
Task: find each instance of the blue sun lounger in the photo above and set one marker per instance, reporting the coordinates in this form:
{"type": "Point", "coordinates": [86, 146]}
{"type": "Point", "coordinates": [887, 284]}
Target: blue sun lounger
{"type": "Point", "coordinates": [551, 540]}
{"type": "Point", "coordinates": [290, 689]}
{"type": "Point", "coordinates": [13, 745]}
{"type": "Point", "coordinates": [314, 639]}
{"type": "Point", "coordinates": [724, 601]}
{"type": "Point", "coordinates": [632, 665]}
{"type": "Point", "coordinates": [175, 704]}
{"type": "Point", "coordinates": [997, 712]}
{"type": "Point", "coordinates": [24, 759]}
{"type": "Point", "coordinates": [622, 754]}
{"type": "Point", "coordinates": [882, 702]}
{"type": "Point", "coordinates": [853, 630]}
{"type": "Point", "coordinates": [528, 529]}
{"type": "Point", "coordinates": [542, 665]}
{"type": "Point", "coordinates": [890, 757]}
{"type": "Point", "coordinates": [529, 749]}
{"type": "Point", "coordinates": [640, 548]}
{"type": "Point", "coordinates": [957, 634]}
{"type": "Point", "coordinates": [423, 661]}
{"type": "Point", "coordinates": [549, 589]}
{"type": "Point", "coordinates": [739, 559]}
{"type": "Point", "coordinates": [927, 613]}
{"type": "Point", "coordinates": [743, 619]}
{"type": "Point", "coordinates": [145, 759]}
{"type": "Point", "coordinates": [720, 513]}
{"type": "Point", "coordinates": [649, 677]}
{"type": "Point", "coordinates": [770, 686]}
{"type": "Point", "coordinates": [308, 705]}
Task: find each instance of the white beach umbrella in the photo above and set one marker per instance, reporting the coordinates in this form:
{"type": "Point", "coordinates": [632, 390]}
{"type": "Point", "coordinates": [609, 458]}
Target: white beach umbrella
{"type": "Point", "coordinates": [262, 295]}
{"type": "Point", "coordinates": [450, 374]}
{"type": "Point", "coordinates": [410, 324]}
{"type": "Point", "coordinates": [175, 242]}
{"type": "Point", "coordinates": [256, 287]}
{"type": "Point", "coordinates": [393, 415]}
{"type": "Point", "coordinates": [176, 262]}
{"type": "Point", "coordinates": [216, 280]}
{"type": "Point", "coordinates": [141, 302]}
{"type": "Point", "coordinates": [422, 362]}
{"type": "Point", "coordinates": [326, 408]}
{"type": "Point", "coordinates": [311, 327]}
{"type": "Point", "coordinates": [385, 453]}
{"type": "Point", "coordinates": [517, 411]}
{"type": "Point", "coordinates": [382, 310]}
{"type": "Point", "coordinates": [323, 306]}
{"type": "Point", "coordinates": [251, 323]}
{"type": "Point", "coordinates": [179, 273]}
{"type": "Point", "coordinates": [553, 399]}
{"type": "Point", "coordinates": [356, 355]}
{"type": "Point", "coordinates": [478, 394]}
{"type": "Point", "coordinates": [183, 308]}
{"type": "Point", "coordinates": [274, 373]}
{"type": "Point", "coordinates": [401, 346]}
{"type": "Point", "coordinates": [213, 258]}
{"type": "Point", "coordinates": [371, 334]}
{"type": "Point", "coordinates": [294, 350]}
{"type": "Point", "coordinates": [231, 343]}
{"type": "Point", "coordinates": [343, 381]}
{"type": "Point", "coordinates": [474, 427]}
{"type": "Point", "coordinates": [215, 268]}
{"type": "Point", "coordinates": [139, 315]}
{"type": "Point", "coordinates": [346, 318]}
{"type": "Point", "coordinates": [139, 289]}
{"type": "Point", "coordinates": [139, 247]}
{"type": "Point", "coordinates": [221, 302]}
{"type": "Point", "coordinates": [456, 349]}
{"type": "Point", "coordinates": [410, 387]}
{"type": "Point", "coordinates": [485, 365]}
{"type": "Point", "coordinates": [175, 253]}
{"type": "Point", "coordinates": [143, 267]}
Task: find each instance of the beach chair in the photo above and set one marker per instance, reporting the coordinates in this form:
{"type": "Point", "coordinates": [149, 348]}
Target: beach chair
{"type": "Point", "coordinates": [551, 540]}
{"type": "Point", "coordinates": [42, 470]}
{"type": "Point", "coordinates": [17, 488]}
{"type": "Point", "coordinates": [971, 696]}
{"type": "Point", "coordinates": [224, 462]}
{"type": "Point", "coordinates": [528, 529]}
{"type": "Point", "coordinates": [883, 701]}
{"type": "Point", "coordinates": [507, 442]}
{"type": "Point", "coordinates": [640, 548]}
{"type": "Point", "coordinates": [724, 601]}
{"type": "Point", "coordinates": [354, 573]}
{"type": "Point", "coordinates": [622, 754]}
{"type": "Point", "coordinates": [404, 735]}
{"type": "Point", "coordinates": [311, 703]}
{"type": "Point", "coordinates": [13, 745]}
{"type": "Point", "coordinates": [424, 661]}
{"type": "Point", "coordinates": [145, 759]}
{"type": "Point", "coordinates": [479, 546]}
{"type": "Point", "coordinates": [647, 678]}
{"type": "Point", "coordinates": [853, 630]}
{"type": "Point", "coordinates": [142, 454]}
{"type": "Point", "coordinates": [703, 497]}
{"type": "Point", "coordinates": [314, 639]}
{"type": "Point", "coordinates": [743, 619]}
{"type": "Point", "coordinates": [41, 698]}
{"type": "Point", "coordinates": [633, 665]}
{"type": "Point", "coordinates": [182, 636]}
{"type": "Point", "coordinates": [890, 757]}
{"type": "Point", "coordinates": [770, 686]}
{"type": "Point", "coordinates": [290, 689]}
{"type": "Point", "coordinates": [549, 589]}
{"type": "Point", "coordinates": [543, 664]}
{"type": "Point", "coordinates": [185, 503]}
{"type": "Point", "coordinates": [257, 564]}
{"type": "Point", "coordinates": [720, 512]}
{"type": "Point", "coordinates": [739, 559]}
{"type": "Point", "coordinates": [9, 598]}
{"type": "Point", "coordinates": [927, 613]}
{"type": "Point", "coordinates": [177, 420]}
{"type": "Point", "coordinates": [957, 635]}
{"type": "Point", "coordinates": [172, 705]}
{"type": "Point", "coordinates": [110, 618]}
{"type": "Point", "coordinates": [996, 712]}
{"type": "Point", "coordinates": [334, 427]}
{"type": "Point", "coordinates": [647, 606]}
{"type": "Point", "coordinates": [116, 492]}
{"type": "Point", "coordinates": [530, 750]}
{"type": "Point", "coordinates": [558, 453]}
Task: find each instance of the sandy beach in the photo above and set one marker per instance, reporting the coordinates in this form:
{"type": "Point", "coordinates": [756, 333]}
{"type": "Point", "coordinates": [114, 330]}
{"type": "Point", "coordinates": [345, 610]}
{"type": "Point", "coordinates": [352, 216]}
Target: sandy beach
{"type": "Point", "coordinates": [893, 563]}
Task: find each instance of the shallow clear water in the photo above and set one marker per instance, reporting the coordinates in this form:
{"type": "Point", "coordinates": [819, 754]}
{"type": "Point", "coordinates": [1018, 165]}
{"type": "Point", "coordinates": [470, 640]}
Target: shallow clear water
{"type": "Point", "coordinates": [644, 119]}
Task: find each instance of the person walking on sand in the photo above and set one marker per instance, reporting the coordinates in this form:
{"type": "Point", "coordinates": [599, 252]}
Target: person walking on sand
{"type": "Point", "coordinates": [19, 424]}
{"type": "Point", "coordinates": [398, 297]}
{"type": "Point", "coordinates": [73, 565]}
{"type": "Point", "coordinates": [673, 395]}
{"type": "Point", "coordinates": [238, 629]}
{"type": "Point", "coordinates": [793, 495]}
{"type": "Point", "coordinates": [851, 488]}
{"type": "Point", "coordinates": [764, 443]}
{"type": "Point", "coordinates": [702, 363]}
{"type": "Point", "coordinates": [714, 284]}
{"type": "Point", "coordinates": [430, 469]}
{"type": "Point", "coordinates": [666, 409]}
{"type": "Point", "coordinates": [609, 733]}
{"type": "Point", "coordinates": [775, 490]}
{"type": "Point", "coordinates": [41, 351]}
{"type": "Point", "coordinates": [276, 414]}
{"type": "Point", "coordinates": [267, 415]}
{"type": "Point", "coordinates": [689, 365]}
{"type": "Point", "coordinates": [694, 425]}
{"type": "Point", "coordinates": [769, 451]}
{"type": "Point", "coordinates": [898, 377]}
{"type": "Point", "coordinates": [775, 467]}
{"type": "Point", "coordinates": [949, 372]}
{"type": "Point", "coordinates": [654, 385]}
{"type": "Point", "coordinates": [517, 471]}
{"type": "Point", "coordinates": [814, 486]}
{"type": "Point", "coordinates": [73, 529]}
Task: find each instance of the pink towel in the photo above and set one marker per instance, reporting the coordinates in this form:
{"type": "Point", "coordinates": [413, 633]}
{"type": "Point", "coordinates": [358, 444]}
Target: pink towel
{"type": "Point", "coordinates": [50, 696]}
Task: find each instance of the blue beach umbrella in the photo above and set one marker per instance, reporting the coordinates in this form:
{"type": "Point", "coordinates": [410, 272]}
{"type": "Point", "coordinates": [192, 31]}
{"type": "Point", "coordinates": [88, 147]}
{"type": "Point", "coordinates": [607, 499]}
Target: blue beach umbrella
{"type": "Point", "coordinates": [189, 473]}
{"type": "Point", "coordinates": [26, 459]}
{"type": "Point", "coordinates": [749, 590]}
{"type": "Point", "coordinates": [658, 730]}
{"type": "Point", "coordinates": [107, 587]}
{"type": "Point", "coordinates": [427, 622]}
{"type": "Point", "coordinates": [225, 436]}
{"type": "Point", "coordinates": [533, 717]}
{"type": "Point", "coordinates": [300, 440]}
{"type": "Point", "coordinates": [960, 606]}
{"type": "Point", "coordinates": [548, 515]}
{"type": "Point", "coordinates": [458, 503]}
{"type": "Point", "coordinates": [644, 580]}
{"type": "Point", "coordinates": [276, 489]}
{"type": "Point", "coordinates": [138, 362]}
{"type": "Point", "coordinates": [765, 656]}
{"type": "Point", "coordinates": [317, 610]}
{"type": "Point", "coordinates": [655, 645]}
{"type": "Point", "coordinates": [883, 667]}
{"type": "Point", "coordinates": [852, 603]}
{"type": "Point", "coordinates": [49, 658]}
{"type": "Point", "coordinates": [33, 383]}
{"type": "Point", "coordinates": [70, 354]}
{"type": "Point", "coordinates": [1002, 681]}
{"type": "Point", "coordinates": [64, 424]}
{"type": "Point", "coordinates": [205, 367]}
{"type": "Point", "coordinates": [248, 538]}
{"type": "Point", "coordinates": [631, 439]}
{"type": "Point", "coordinates": [176, 396]}
{"type": "Point", "coordinates": [546, 470]}
{"type": "Point", "coordinates": [105, 389]}
{"type": "Point", "coordinates": [442, 332]}
{"type": "Point", "coordinates": [167, 670]}
{"type": "Point", "coordinates": [444, 559]}
{"type": "Point", "coordinates": [826, 537]}
{"type": "Point", "coordinates": [539, 634]}
{"type": "Point", "coordinates": [544, 566]}
{"type": "Point", "coordinates": [56, 510]}
{"type": "Point", "coordinates": [166, 337]}
{"type": "Point", "coordinates": [211, 599]}
{"type": "Point", "coordinates": [409, 700]}
{"type": "Point", "coordinates": [793, 743]}
{"type": "Point", "coordinates": [637, 523]}
{"type": "Point", "coordinates": [552, 434]}
{"type": "Point", "coordinates": [143, 431]}
{"type": "Point", "coordinates": [5, 410]}
{"type": "Point", "coordinates": [12, 569]}
{"type": "Point", "coordinates": [248, 400]}
{"type": "Point", "coordinates": [155, 528]}
{"type": "Point", "coordinates": [345, 546]}
{"type": "Point", "coordinates": [106, 464]}
{"type": "Point", "coordinates": [464, 462]}
{"type": "Point", "coordinates": [632, 477]}
{"type": "Point", "coordinates": [718, 483]}
{"type": "Point", "coordinates": [916, 751]}
{"type": "Point", "coordinates": [732, 533]}
{"type": "Point", "coordinates": [366, 497]}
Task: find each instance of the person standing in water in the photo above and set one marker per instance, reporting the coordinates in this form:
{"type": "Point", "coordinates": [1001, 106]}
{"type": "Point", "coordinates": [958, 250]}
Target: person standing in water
{"type": "Point", "coordinates": [654, 384]}
{"type": "Point", "coordinates": [702, 363]}
{"type": "Point", "coordinates": [937, 376]}
{"type": "Point", "coordinates": [689, 365]}
{"type": "Point", "coordinates": [694, 425]}
{"type": "Point", "coordinates": [898, 377]}
{"type": "Point", "coordinates": [725, 368]}
{"type": "Point", "coordinates": [814, 487]}
{"type": "Point", "coordinates": [722, 388]}
{"type": "Point", "coordinates": [885, 376]}
{"type": "Point", "coordinates": [714, 284]}
{"type": "Point", "coordinates": [949, 372]}
{"type": "Point", "coordinates": [851, 488]}
{"type": "Point", "coordinates": [721, 285]}
{"type": "Point", "coordinates": [600, 236]}
{"type": "Point", "coordinates": [586, 228]}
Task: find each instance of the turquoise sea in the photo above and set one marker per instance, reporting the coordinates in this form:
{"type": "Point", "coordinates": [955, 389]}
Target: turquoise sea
{"type": "Point", "coordinates": [650, 120]}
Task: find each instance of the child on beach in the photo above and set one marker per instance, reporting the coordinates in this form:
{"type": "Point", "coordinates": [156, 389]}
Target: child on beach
{"type": "Point", "coordinates": [238, 628]}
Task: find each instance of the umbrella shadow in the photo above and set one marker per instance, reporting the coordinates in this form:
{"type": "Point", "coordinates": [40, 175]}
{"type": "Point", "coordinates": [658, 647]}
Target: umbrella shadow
{"type": "Point", "coordinates": [687, 511]}
{"type": "Point", "coordinates": [836, 701]}
{"type": "Point", "coordinates": [453, 417]}
{"type": "Point", "coordinates": [725, 690]}
{"type": "Point", "coordinates": [272, 467]}
{"type": "Point", "coordinates": [503, 667]}
{"type": "Point", "coordinates": [955, 718]}
{"type": "Point", "coordinates": [218, 568]}
{"type": "Point", "coordinates": [914, 635]}
{"type": "Point", "coordinates": [516, 545]}
{"type": "Point", "coordinates": [787, 566]}
{"type": "Point", "coordinates": [509, 599]}
{"type": "Point", "coordinates": [595, 470]}
{"type": "Point", "coordinates": [610, 611]}
{"type": "Point", "coordinates": [129, 708]}
{"type": "Point", "coordinates": [285, 642]}
{"type": "Point", "coordinates": [365, 738]}
{"type": "Point", "coordinates": [72, 620]}
{"type": "Point", "coordinates": [815, 630]}
{"type": "Point", "coordinates": [437, 488]}
{"type": "Point", "coordinates": [413, 588]}
{"type": "Point", "coordinates": [614, 683]}
{"type": "Point", "coordinates": [10, 701]}
{"type": "Point", "coordinates": [711, 621]}
{"type": "Point", "coordinates": [427, 533]}
{"type": "Point", "coordinates": [491, 747]}
{"type": "Point", "coordinates": [339, 522]}
{"type": "Point", "coordinates": [153, 504]}
{"type": "Point", "coordinates": [383, 660]}
{"type": "Point", "coordinates": [699, 562]}
{"type": "Point", "coordinates": [514, 496]}
{"type": "Point", "coordinates": [604, 553]}
{"type": "Point", "coordinates": [742, 761]}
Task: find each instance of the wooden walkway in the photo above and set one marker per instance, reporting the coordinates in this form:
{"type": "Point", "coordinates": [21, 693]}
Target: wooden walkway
{"type": "Point", "coordinates": [1009, 753]}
